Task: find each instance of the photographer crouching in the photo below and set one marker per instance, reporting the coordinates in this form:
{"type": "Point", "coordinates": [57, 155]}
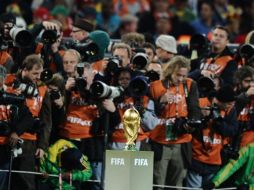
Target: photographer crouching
{"type": "Point", "coordinates": [27, 82]}
{"type": "Point", "coordinates": [211, 141]}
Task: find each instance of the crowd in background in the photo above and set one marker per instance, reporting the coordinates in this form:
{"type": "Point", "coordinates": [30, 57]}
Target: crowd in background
{"type": "Point", "coordinates": [71, 68]}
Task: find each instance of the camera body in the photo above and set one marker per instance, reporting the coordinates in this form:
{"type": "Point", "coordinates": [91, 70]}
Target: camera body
{"type": "Point", "coordinates": [49, 37]}
{"type": "Point", "coordinates": [28, 89]}
{"type": "Point", "coordinates": [54, 94]}
{"type": "Point", "coordinates": [114, 63]}
{"type": "Point", "coordinates": [184, 125]}
{"type": "Point", "coordinates": [86, 50]}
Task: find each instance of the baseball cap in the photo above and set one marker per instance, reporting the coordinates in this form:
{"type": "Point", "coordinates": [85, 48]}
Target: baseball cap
{"type": "Point", "coordinates": [167, 43]}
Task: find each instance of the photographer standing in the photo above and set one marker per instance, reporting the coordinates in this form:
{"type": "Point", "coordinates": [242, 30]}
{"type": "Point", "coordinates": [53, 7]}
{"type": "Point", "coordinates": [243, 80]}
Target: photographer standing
{"type": "Point", "coordinates": [244, 86]}
{"type": "Point", "coordinates": [15, 119]}
{"type": "Point", "coordinates": [56, 89]}
{"type": "Point", "coordinates": [37, 138]}
{"type": "Point", "coordinates": [85, 121]}
{"type": "Point", "coordinates": [176, 99]}
{"type": "Point", "coordinates": [219, 122]}
{"type": "Point", "coordinates": [219, 61]}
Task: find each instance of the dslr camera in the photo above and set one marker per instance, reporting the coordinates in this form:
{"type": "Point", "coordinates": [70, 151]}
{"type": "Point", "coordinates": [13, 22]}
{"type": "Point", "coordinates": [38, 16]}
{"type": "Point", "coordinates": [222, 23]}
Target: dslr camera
{"type": "Point", "coordinates": [183, 125]}
{"type": "Point", "coordinates": [49, 37]}
{"type": "Point", "coordinates": [28, 89]}
{"type": "Point", "coordinates": [86, 50]}
{"type": "Point", "coordinates": [80, 82]}
{"type": "Point", "coordinates": [114, 63]}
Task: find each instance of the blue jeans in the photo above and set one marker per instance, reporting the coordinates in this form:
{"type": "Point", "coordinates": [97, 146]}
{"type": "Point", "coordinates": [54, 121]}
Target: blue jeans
{"type": "Point", "coordinates": [4, 165]}
{"type": "Point", "coordinates": [96, 167]}
{"type": "Point", "coordinates": [195, 180]}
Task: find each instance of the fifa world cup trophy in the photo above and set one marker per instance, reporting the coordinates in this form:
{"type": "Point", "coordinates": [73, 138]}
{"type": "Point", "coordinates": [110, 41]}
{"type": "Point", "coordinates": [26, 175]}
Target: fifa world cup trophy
{"type": "Point", "coordinates": [131, 123]}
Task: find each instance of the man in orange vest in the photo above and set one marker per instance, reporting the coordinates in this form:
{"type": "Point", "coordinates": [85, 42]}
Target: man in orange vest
{"type": "Point", "coordinates": [39, 104]}
{"type": "Point", "coordinates": [244, 86]}
{"type": "Point", "coordinates": [219, 61]}
{"type": "Point", "coordinates": [176, 99]}
{"type": "Point", "coordinates": [85, 125]}
{"type": "Point", "coordinates": [219, 123]}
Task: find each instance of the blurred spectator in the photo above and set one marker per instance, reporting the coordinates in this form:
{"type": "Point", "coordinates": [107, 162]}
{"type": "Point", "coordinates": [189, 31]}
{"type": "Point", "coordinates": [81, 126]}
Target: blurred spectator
{"type": "Point", "coordinates": [132, 7]}
{"type": "Point", "coordinates": [133, 39]}
{"type": "Point", "coordinates": [60, 13]}
{"type": "Point", "coordinates": [181, 9]}
{"type": "Point", "coordinates": [247, 18]}
{"type": "Point", "coordinates": [163, 24]}
{"type": "Point", "coordinates": [40, 15]}
{"type": "Point", "coordinates": [222, 10]}
{"type": "Point", "coordinates": [147, 19]}
{"type": "Point", "coordinates": [15, 9]}
{"type": "Point", "coordinates": [233, 24]}
{"type": "Point", "coordinates": [205, 22]}
{"type": "Point", "coordinates": [128, 24]}
{"type": "Point", "coordinates": [108, 20]}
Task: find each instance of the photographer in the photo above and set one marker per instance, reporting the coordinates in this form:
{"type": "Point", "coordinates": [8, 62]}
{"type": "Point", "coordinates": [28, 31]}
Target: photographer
{"type": "Point", "coordinates": [21, 42]}
{"type": "Point", "coordinates": [134, 95]}
{"type": "Point", "coordinates": [176, 99]}
{"type": "Point", "coordinates": [219, 121]}
{"type": "Point", "coordinates": [51, 49]}
{"type": "Point", "coordinates": [244, 86]}
{"type": "Point", "coordinates": [5, 58]}
{"type": "Point", "coordinates": [15, 119]}
{"type": "Point", "coordinates": [123, 51]}
{"type": "Point", "coordinates": [85, 122]}
{"type": "Point", "coordinates": [219, 62]}
{"type": "Point", "coordinates": [56, 89]}
{"type": "Point", "coordinates": [70, 60]}
{"type": "Point", "coordinates": [35, 142]}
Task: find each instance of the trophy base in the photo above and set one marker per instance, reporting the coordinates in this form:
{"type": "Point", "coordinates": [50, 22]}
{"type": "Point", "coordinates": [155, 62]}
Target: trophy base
{"type": "Point", "coordinates": [130, 147]}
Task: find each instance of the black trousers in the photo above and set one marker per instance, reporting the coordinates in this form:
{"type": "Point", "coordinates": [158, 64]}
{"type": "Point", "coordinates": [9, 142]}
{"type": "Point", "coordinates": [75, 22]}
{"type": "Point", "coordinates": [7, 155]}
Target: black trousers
{"type": "Point", "coordinates": [25, 162]}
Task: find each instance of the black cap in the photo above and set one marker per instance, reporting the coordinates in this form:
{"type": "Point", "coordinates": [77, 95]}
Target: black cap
{"type": "Point", "coordinates": [84, 24]}
{"type": "Point", "coordinates": [73, 159]}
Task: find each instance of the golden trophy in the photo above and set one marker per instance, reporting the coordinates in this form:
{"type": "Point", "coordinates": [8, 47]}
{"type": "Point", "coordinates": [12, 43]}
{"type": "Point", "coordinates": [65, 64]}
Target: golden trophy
{"type": "Point", "coordinates": [131, 124]}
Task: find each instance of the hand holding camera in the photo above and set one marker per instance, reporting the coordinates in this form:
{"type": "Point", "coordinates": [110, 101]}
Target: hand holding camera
{"type": "Point", "coordinates": [70, 83]}
{"type": "Point", "coordinates": [109, 105]}
{"type": "Point", "coordinates": [250, 91]}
